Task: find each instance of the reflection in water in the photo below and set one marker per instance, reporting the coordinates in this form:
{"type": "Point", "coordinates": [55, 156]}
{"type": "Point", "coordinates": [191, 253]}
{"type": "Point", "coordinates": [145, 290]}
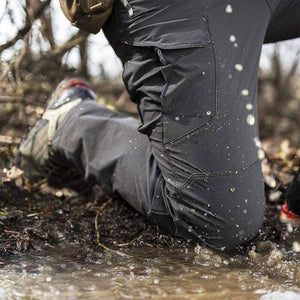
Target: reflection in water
{"type": "Point", "coordinates": [69, 273]}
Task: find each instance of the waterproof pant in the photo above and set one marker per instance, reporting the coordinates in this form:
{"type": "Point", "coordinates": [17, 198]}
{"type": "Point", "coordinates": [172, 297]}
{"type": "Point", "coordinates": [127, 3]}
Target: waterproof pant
{"type": "Point", "coordinates": [192, 161]}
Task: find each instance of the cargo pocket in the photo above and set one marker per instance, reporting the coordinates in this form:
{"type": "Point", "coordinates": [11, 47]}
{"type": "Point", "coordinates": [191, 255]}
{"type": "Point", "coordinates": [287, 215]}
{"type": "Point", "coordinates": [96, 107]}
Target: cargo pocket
{"type": "Point", "coordinates": [189, 94]}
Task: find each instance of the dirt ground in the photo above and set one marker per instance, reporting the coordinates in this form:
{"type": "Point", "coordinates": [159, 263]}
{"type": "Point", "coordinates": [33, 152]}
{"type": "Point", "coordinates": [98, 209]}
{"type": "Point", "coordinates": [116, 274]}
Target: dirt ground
{"type": "Point", "coordinates": [36, 217]}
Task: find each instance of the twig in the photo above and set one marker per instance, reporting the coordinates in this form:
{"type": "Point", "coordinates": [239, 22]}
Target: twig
{"type": "Point", "coordinates": [96, 219]}
{"type": "Point", "coordinates": [76, 39]}
{"type": "Point", "coordinates": [12, 232]}
{"type": "Point", "coordinates": [8, 140]}
{"type": "Point", "coordinates": [33, 215]}
{"type": "Point", "coordinates": [98, 233]}
{"type": "Point", "coordinates": [132, 241]}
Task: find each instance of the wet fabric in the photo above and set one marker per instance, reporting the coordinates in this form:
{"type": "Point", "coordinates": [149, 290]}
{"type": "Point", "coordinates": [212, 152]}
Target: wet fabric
{"type": "Point", "coordinates": [192, 69]}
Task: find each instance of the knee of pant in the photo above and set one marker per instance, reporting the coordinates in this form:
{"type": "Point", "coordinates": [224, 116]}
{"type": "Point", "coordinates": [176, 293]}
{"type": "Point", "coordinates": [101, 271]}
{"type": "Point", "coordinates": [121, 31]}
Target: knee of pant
{"type": "Point", "coordinates": [238, 230]}
{"type": "Point", "coordinates": [223, 211]}
{"type": "Point", "coordinates": [226, 229]}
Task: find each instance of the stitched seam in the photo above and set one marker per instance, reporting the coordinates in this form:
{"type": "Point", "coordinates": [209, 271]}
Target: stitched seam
{"type": "Point", "coordinates": [216, 174]}
{"type": "Point", "coordinates": [192, 131]}
{"type": "Point", "coordinates": [182, 161]}
{"type": "Point", "coordinates": [163, 90]}
{"type": "Point", "coordinates": [206, 21]}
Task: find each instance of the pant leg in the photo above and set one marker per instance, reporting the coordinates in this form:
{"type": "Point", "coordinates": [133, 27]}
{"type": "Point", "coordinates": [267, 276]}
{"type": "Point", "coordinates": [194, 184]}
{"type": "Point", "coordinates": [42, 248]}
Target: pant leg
{"type": "Point", "coordinates": [105, 148]}
{"type": "Point", "coordinates": [285, 21]}
{"type": "Point", "coordinates": [197, 174]}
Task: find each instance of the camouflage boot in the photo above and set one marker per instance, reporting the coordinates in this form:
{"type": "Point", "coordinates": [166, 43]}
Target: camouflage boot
{"type": "Point", "coordinates": [35, 155]}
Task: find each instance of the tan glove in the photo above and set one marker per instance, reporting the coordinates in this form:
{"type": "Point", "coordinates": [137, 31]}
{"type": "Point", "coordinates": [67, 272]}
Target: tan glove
{"type": "Point", "coordinates": [88, 15]}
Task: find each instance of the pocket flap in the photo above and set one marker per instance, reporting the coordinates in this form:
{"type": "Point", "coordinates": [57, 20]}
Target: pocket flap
{"type": "Point", "coordinates": [165, 24]}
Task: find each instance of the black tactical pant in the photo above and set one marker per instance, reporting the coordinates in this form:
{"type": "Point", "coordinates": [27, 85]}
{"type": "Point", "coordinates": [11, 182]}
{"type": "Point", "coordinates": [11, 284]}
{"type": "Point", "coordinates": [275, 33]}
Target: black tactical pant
{"type": "Point", "coordinates": [192, 69]}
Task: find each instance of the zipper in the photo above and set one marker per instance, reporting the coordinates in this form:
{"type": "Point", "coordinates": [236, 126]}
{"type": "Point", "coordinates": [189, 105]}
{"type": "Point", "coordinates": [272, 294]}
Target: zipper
{"type": "Point", "coordinates": [128, 7]}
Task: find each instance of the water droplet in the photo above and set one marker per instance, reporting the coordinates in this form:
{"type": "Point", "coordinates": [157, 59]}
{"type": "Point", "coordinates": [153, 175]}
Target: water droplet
{"type": "Point", "coordinates": [177, 118]}
{"type": "Point", "coordinates": [245, 92]}
{"type": "Point", "coordinates": [289, 228]}
{"type": "Point", "coordinates": [232, 38]}
{"type": "Point", "coordinates": [251, 120]}
{"type": "Point", "coordinates": [229, 9]}
{"type": "Point", "coordinates": [239, 67]}
{"type": "Point", "coordinates": [296, 247]}
{"type": "Point", "coordinates": [249, 106]}
{"type": "Point", "coordinates": [261, 154]}
{"type": "Point", "coordinates": [257, 142]}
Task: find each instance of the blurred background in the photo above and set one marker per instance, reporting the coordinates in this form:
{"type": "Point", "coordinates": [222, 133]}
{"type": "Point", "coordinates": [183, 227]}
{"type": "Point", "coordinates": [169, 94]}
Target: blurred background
{"type": "Point", "coordinates": [38, 48]}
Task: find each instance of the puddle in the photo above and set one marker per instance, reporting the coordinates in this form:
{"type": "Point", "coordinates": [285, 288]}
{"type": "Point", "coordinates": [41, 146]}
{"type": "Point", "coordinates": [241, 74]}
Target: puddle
{"type": "Point", "coordinates": [68, 273]}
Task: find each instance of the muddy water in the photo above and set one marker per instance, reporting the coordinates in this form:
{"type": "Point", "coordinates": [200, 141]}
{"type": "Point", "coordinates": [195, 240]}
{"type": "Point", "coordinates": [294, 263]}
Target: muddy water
{"type": "Point", "coordinates": [195, 273]}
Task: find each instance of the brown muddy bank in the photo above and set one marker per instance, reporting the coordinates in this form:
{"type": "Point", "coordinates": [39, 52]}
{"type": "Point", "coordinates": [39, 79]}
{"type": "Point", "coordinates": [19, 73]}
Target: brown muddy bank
{"type": "Point", "coordinates": [33, 217]}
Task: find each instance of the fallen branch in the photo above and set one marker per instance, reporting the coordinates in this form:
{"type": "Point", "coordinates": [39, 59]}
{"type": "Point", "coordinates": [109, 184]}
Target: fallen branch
{"type": "Point", "coordinates": [76, 39]}
{"type": "Point", "coordinates": [27, 27]}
